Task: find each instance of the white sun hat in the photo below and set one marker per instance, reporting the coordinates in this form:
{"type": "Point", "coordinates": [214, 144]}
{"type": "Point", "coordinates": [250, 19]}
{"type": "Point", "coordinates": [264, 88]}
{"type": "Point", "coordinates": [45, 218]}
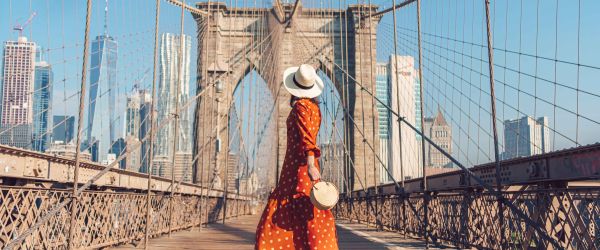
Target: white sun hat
{"type": "Point", "coordinates": [302, 81]}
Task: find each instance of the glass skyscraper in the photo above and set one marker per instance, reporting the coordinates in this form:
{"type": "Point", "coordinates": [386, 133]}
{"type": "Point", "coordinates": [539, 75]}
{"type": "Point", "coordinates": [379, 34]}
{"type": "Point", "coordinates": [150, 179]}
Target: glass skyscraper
{"type": "Point", "coordinates": [167, 87]}
{"type": "Point", "coordinates": [102, 124]}
{"type": "Point", "coordinates": [397, 87]}
{"type": "Point", "coordinates": [170, 80]}
{"type": "Point", "coordinates": [382, 92]}
{"type": "Point", "coordinates": [42, 99]}
{"type": "Point", "coordinates": [417, 103]}
{"type": "Point", "coordinates": [64, 128]}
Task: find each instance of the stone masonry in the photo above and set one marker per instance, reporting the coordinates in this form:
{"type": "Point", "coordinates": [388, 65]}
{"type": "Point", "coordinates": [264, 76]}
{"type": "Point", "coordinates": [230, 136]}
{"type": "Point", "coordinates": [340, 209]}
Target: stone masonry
{"type": "Point", "coordinates": [234, 41]}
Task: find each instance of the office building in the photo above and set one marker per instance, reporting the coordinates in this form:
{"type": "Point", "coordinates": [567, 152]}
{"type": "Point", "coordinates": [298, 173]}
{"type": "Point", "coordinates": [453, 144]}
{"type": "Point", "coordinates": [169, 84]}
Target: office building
{"type": "Point", "coordinates": [332, 162]}
{"type": "Point", "coordinates": [440, 132]}
{"type": "Point", "coordinates": [183, 166]}
{"type": "Point", "coordinates": [18, 135]}
{"type": "Point", "coordinates": [18, 74]}
{"type": "Point", "coordinates": [233, 162]}
{"type": "Point", "coordinates": [526, 137]}
{"type": "Point", "coordinates": [396, 84]}
{"type": "Point", "coordinates": [64, 128]}
{"type": "Point", "coordinates": [137, 125]}
{"type": "Point", "coordinates": [170, 81]}
{"type": "Point", "coordinates": [144, 130]}
{"type": "Point", "coordinates": [383, 92]}
{"type": "Point", "coordinates": [405, 149]}
{"type": "Point", "coordinates": [42, 99]}
{"type": "Point", "coordinates": [161, 166]}
{"type": "Point", "coordinates": [133, 159]}
{"type": "Point", "coordinates": [92, 148]}
{"type": "Point", "coordinates": [118, 148]}
{"type": "Point", "coordinates": [102, 123]}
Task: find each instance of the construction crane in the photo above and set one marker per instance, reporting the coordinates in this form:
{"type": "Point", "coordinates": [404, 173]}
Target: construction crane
{"type": "Point", "coordinates": [20, 27]}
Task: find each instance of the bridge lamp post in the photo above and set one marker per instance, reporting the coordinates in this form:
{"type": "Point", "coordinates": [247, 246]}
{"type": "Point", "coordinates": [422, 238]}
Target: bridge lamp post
{"type": "Point", "coordinates": [219, 88]}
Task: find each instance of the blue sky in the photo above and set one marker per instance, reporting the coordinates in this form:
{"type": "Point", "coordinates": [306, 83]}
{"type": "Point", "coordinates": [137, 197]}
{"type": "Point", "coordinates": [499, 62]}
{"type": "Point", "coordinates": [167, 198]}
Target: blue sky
{"type": "Point", "coordinates": [453, 58]}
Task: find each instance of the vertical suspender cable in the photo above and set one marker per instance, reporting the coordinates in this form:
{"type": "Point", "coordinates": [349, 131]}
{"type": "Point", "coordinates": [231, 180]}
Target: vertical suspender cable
{"type": "Point", "coordinates": [398, 104]}
{"type": "Point", "coordinates": [178, 86]}
{"type": "Point", "coordinates": [212, 113]}
{"type": "Point", "coordinates": [373, 109]}
{"type": "Point", "coordinates": [204, 121]}
{"type": "Point", "coordinates": [425, 194]}
{"type": "Point", "coordinates": [149, 167]}
{"type": "Point", "coordinates": [227, 92]}
{"type": "Point", "coordinates": [494, 128]}
{"type": "Point", "coordinates": [71, 244]}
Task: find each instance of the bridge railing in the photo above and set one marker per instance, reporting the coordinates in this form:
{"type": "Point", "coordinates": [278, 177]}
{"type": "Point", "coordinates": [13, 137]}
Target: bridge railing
{"type": "Point", "coordinates": [558, 193]}
{"type": "Point", "coordinates": [113, 212]}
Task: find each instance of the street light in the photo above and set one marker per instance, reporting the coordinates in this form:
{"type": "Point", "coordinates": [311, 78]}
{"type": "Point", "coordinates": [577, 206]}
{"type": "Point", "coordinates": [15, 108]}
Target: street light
{"type": "Point", "coordinates": [219, 86]}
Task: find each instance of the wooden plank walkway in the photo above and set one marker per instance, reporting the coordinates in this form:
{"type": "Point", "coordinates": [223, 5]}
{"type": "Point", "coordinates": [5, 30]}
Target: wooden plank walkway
{"type": "Point", "coordinates": [238, 234]}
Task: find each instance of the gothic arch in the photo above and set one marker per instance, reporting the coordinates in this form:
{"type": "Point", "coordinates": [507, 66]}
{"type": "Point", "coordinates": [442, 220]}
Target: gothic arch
{"type": "Point", "coordinates": [310, 36]}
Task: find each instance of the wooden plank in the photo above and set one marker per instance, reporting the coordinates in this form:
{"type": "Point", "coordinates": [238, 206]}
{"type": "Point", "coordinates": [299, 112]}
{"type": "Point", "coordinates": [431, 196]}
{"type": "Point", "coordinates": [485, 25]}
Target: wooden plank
{"type": "Point", "coordinates": [238, 233]}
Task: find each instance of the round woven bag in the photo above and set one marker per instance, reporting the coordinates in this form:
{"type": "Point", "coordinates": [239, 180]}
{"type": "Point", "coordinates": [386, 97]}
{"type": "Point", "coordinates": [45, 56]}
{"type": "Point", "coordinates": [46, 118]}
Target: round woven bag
{"type": "Point", "coordinates": [324, 195]}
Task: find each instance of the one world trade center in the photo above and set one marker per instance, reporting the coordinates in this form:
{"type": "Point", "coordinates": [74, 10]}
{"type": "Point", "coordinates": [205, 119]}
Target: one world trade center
{"type": "Point", "coordinates": [102, 116]}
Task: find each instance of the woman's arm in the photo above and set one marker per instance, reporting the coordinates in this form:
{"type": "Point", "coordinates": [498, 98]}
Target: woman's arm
{"type": "Point", "coordinates": [313, 172]}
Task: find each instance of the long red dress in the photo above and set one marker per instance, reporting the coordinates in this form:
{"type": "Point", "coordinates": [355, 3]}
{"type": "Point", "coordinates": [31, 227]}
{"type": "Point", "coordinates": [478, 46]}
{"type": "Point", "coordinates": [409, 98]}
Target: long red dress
{"type": "Point", "coordinates": [290, 220]}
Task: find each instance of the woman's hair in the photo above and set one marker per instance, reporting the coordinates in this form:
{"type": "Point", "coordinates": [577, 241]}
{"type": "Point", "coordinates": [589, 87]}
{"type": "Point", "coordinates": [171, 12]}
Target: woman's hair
{"type": "Point", "coordinates": [293, 99]}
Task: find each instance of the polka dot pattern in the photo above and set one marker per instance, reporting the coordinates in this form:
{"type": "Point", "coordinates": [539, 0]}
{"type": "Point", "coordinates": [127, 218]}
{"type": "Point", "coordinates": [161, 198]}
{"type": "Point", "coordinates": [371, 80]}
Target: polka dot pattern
{"type": "Point", "coordinates": [290, 221]}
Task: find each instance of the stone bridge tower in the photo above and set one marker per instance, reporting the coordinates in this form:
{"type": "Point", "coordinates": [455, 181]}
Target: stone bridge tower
{"type": "Point", "coordinates": [233, 41]}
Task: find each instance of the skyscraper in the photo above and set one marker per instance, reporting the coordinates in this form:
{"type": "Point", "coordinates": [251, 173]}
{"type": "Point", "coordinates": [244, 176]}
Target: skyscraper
{"type": "Point", "coordinates": [132, 161]}
{"type": "Point", "coordinates": [170, 80]}
{"type": "Point", "coordinates": [102, 123]}
{"type": "Point", "coordinates": [18, 71]}
{"type": "Point", "coordinates": [42, 99]}
{"type": "Point", "coordinates": [398, 147]}
{"type": "Point", "coordinates": [382, 92]}
{"type": "Point", "coordinates": [526, 137]}
{"type": "Point", "coordinates": [405, 149]}
{"type": "Point", "coordinates": [136, 127]}
{"type": "Point", "coordinates": [117, 149]}
{"type": "Point", "coordinates": [440, 132]}
{"type": "Point", "coordinates": [64, 128]}
{"type": "Point", "coordinates": [145, 101]}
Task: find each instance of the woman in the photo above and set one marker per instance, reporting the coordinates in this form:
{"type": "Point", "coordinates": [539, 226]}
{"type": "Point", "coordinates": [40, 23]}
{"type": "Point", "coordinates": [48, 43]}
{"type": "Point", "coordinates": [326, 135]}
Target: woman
{"type": "Point", "coordinates": [290, 221]}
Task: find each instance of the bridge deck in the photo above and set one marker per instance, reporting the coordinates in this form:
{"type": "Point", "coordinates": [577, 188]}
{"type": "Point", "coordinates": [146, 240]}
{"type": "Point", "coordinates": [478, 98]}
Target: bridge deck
{"type": "Point", "coordinates": [238, 233]}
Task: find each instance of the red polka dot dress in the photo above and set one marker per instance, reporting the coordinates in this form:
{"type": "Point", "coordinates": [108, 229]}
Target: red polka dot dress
{"type": "Point", "coordinates": [290, 221]}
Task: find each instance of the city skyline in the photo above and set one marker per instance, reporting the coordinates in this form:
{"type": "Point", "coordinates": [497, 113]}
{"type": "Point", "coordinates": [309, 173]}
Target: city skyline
{"type": "Point", "coordinates": [474, 155]}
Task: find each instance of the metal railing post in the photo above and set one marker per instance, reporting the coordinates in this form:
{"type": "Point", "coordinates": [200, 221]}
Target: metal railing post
{"type": "Point", "coordinates": [75, 196]}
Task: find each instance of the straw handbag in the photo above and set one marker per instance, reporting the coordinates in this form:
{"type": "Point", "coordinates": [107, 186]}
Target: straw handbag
{"type": "Point", "coordinates": [324, 195]}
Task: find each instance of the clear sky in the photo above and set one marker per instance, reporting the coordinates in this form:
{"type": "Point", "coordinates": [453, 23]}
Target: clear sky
{"type": "Point", "coordinates": [528, 36]}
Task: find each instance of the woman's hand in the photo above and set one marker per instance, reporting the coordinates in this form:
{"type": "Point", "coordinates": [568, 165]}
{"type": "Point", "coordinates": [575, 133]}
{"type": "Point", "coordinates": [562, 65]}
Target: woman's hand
{"type": "Point", "coordinates": [313, 172]}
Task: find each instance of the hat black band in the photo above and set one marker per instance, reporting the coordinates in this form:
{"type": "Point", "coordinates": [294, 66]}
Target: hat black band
{"type": "Point", "coordinates": [299, 85]}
